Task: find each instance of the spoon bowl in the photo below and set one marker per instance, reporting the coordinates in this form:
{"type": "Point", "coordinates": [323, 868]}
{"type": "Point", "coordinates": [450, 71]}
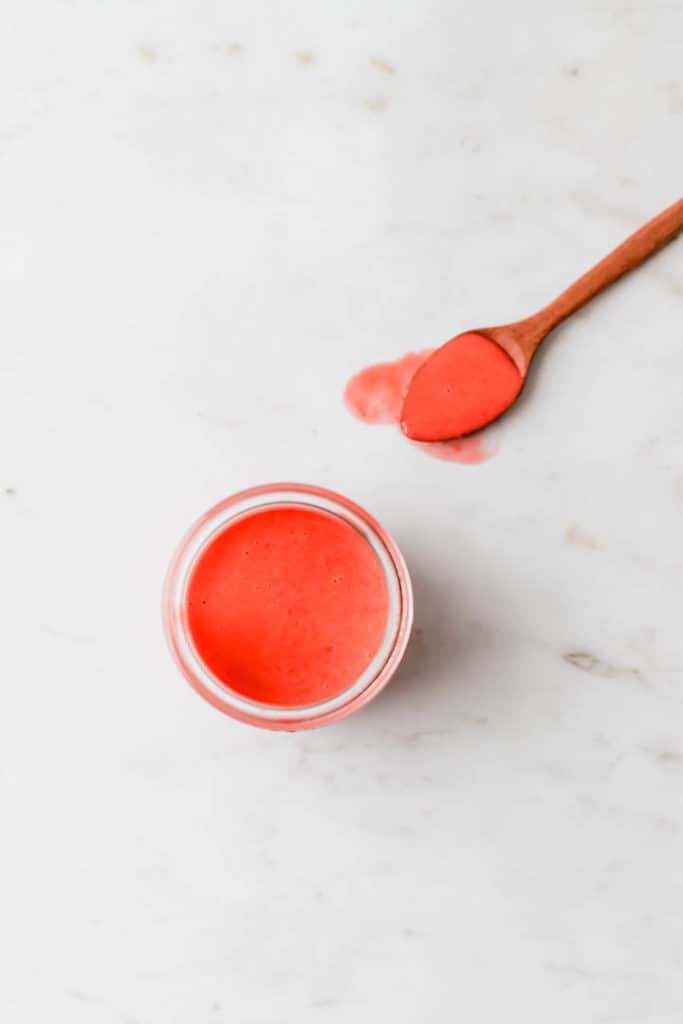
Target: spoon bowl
{"type": "Point", "coordinates": [468, 382]}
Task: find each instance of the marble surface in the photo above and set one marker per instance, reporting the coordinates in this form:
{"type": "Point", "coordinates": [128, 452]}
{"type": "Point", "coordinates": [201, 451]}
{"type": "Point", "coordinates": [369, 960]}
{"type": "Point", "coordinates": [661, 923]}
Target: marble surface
{"type": "Point", "coordinates": [213, 214]}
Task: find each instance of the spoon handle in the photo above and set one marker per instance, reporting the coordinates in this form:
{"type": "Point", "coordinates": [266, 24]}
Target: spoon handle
{"type": "Point", "coordinates": [637, 247]}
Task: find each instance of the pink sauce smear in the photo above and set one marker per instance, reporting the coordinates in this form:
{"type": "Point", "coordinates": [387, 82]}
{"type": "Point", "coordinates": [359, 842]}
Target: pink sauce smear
{"type": "Point", "coordinates": [376, 394]}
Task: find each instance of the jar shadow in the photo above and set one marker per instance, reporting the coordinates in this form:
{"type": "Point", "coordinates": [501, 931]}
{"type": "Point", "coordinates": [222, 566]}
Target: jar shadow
{"type": "Point", "coordinates": [440, 643]}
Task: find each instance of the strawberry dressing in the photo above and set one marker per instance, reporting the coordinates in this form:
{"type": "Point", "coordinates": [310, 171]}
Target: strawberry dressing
{"type": "Point", "coordinates": [376, 395]}
{"type": "Point", "coordinates": [287, 605]}
{"type": "Point", "coordinates": [465, 385]}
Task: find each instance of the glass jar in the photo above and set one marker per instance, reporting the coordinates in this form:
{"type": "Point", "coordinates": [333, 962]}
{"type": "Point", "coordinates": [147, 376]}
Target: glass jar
{"type": "Point", "coordinates": [270, 716]}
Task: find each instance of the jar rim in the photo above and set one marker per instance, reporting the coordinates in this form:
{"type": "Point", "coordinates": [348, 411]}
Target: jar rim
{"type": "Point", "coordinates": [375, 676]}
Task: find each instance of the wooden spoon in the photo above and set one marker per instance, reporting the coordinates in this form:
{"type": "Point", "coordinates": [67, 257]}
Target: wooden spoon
{"type": "Point", "coordinates": [475, 377]}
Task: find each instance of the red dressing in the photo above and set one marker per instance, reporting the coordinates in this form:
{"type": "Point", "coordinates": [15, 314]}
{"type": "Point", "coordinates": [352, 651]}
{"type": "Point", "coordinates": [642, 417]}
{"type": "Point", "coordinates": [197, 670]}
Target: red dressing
{"type": "Point", "coordinates": [287, 605]}
{"type": "Point", "coordinates": [463, 386]}
{"type": "Point", "coordinates": [376, 395]}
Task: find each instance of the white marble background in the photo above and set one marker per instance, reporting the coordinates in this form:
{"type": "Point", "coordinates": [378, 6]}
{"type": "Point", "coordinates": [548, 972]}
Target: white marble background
{"type": "Point", "coordinates": [211, 214]}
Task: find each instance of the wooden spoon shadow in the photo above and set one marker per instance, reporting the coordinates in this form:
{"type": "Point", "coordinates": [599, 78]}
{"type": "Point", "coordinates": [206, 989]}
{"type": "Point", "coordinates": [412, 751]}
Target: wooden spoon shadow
{"type": "Point", "coordinates": [537, 369]}
{"type": "Point", "coordinates": [536, 379]}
